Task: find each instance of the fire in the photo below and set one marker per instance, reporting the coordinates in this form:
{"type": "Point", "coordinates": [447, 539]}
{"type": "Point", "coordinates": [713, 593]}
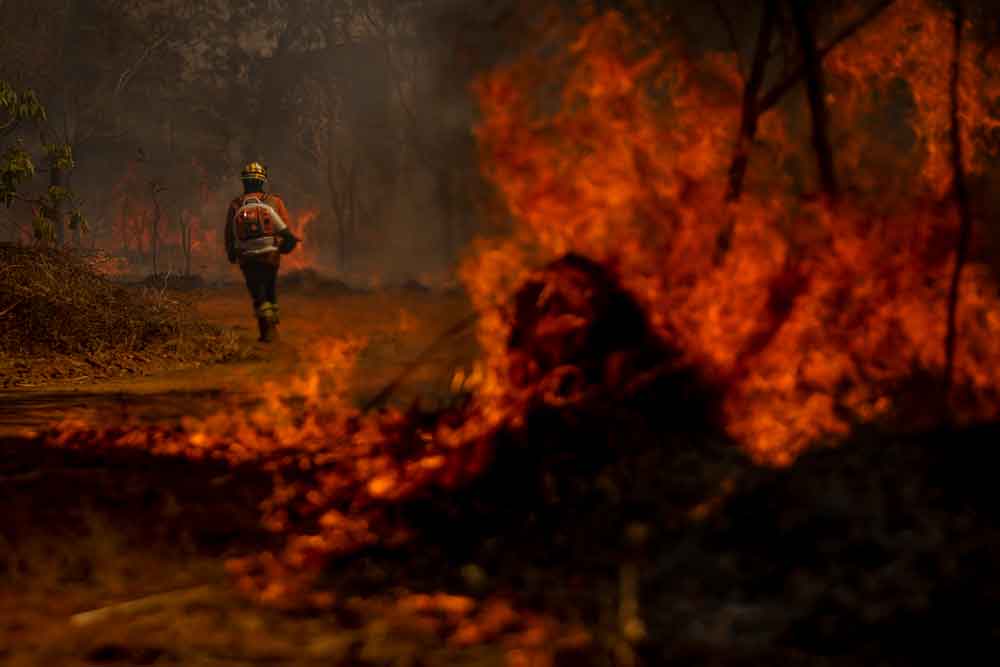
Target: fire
{"type": "Point", "coordinates": [812, 316]}
{"type": "Point", "coordinates": [815, 315]}
{"type": "Point", "coordinates": [905, 43]}
{"type": "Point", "coordinates": [337, 471]}
{"type": "Point", "coordinates": [306, 254]}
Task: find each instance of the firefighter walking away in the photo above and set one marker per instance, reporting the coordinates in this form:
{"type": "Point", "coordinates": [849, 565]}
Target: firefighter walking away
{"type": "Point", "coordinates": [257, 234]}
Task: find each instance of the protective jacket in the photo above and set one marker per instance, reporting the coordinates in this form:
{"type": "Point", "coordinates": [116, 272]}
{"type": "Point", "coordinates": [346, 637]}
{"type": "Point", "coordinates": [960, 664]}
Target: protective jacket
{"type": "Point", "coordinates": [257, 229]}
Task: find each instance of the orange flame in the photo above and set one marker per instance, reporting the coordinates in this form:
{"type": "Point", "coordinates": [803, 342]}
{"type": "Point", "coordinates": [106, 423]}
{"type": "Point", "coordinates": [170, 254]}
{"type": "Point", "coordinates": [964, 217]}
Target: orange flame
{"type": "Point", "coordinates": [814, 316]}
{"type": "Point", "coordinates": [306, 254]}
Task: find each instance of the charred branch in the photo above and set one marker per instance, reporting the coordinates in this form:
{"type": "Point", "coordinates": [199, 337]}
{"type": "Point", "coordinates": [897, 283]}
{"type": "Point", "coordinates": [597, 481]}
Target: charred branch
{"type": "Point", "coordinates": [448, 335]}
{"type": "Point", "coordinates": [753, 107]}
{"type": "Point", "coordinates": [816, 93]}
{"type": "Point", "coordinates": [750, 114]}
{"type": "Point", "coordinates": [775, 94]}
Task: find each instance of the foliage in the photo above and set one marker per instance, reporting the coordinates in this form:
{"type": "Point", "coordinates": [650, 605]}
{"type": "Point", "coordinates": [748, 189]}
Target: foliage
{"type": "Point", "coordinates": [17, 167]}
{"type": "Point", "coordinates": [19, 106]}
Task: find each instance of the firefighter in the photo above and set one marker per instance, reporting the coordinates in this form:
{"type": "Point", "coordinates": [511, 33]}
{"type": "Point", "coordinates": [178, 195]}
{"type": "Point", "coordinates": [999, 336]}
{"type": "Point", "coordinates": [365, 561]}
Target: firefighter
{"type": "Point", "coordinates": [257, 234]}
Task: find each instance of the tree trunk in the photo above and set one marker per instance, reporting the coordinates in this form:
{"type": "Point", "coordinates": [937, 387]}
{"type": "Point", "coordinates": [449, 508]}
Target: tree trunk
{"type": "Point", "coordinates": [141, 237]}
{"type": "Point", "coordinates": [961, 197]}
{"type": "Point", "coordinates": [155, 240]}
{"type": "Point", "coordinates": [57, 181]}
{"type": "Point", "coordinates": [748, 120]}
{"type": "Point", "coordinates": [816, 92]}
{"type": "Point", "coordinates": [125, 224]}
{"type": "Point", "coordinates": [185, 227]}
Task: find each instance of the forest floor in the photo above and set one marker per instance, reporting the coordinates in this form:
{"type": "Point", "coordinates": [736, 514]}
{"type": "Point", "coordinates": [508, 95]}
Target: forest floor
{"type": "Point", "coordinates": [881, 551]}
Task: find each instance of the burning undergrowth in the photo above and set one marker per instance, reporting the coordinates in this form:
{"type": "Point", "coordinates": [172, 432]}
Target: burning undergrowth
{"type": "Point", "coordinates": [812, 312]}
{"type": "Point", "coordinates": [634, 302]}
{"type": "Point", "coordinates": [346, 481]}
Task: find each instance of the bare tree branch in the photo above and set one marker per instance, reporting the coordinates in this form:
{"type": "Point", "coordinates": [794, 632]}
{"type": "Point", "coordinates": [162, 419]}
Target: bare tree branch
{"type": "Point", "coordinates": [129, 72]}
{"type": "Point", "coordinates": [775, 94]}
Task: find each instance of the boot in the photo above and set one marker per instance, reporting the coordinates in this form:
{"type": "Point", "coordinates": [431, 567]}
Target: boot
{"type": "Point", "coordinates": [270, 332]}
{"type": "Point", "coordinates": [267, 319]}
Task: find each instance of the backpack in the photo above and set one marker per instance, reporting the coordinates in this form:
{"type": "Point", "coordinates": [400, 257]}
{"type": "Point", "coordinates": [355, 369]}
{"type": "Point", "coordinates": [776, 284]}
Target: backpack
{"type": "Point", "coordinates": [255, 219]}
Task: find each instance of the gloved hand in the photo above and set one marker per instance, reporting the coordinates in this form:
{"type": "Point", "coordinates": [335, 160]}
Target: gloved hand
{"type": "Point", "coordinates": [287, 242]}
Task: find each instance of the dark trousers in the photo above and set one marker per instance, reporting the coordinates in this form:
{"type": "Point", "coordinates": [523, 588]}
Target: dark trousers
{"type": "Point", "coordinates": [261, 279]}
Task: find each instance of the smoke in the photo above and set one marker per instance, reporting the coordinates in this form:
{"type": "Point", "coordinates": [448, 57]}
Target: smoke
{"type": "Point", "coordinates": [361, 109]}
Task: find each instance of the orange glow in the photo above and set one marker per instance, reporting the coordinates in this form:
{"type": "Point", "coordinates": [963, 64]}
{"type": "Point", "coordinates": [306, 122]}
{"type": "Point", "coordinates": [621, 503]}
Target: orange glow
{"type": "Point", "coordinates": [911, 42]}
{"type": "Point", "coordinates": [814, 316]}
{"type": "Point", "coordinates": [108, 265]}
{"type": "Point", "coordinates": [336, 470]}
{"type": "Point", "coordinates": [306, 254]}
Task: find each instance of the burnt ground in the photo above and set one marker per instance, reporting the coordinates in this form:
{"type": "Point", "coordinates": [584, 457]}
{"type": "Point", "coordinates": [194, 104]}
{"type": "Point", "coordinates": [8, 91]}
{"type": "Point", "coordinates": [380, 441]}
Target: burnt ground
{"type": "Point", "coordinates": [879, 551]}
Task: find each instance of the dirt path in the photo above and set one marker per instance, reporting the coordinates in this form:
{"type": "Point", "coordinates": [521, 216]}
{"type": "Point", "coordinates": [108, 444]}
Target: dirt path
{"type": "Point", "coordinates": [396, 327]}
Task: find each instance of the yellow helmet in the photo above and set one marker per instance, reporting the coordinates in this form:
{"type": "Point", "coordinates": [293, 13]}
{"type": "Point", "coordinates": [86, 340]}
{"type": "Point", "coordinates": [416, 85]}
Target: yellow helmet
{"type": "Point", "coordinates": [254, 172]}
